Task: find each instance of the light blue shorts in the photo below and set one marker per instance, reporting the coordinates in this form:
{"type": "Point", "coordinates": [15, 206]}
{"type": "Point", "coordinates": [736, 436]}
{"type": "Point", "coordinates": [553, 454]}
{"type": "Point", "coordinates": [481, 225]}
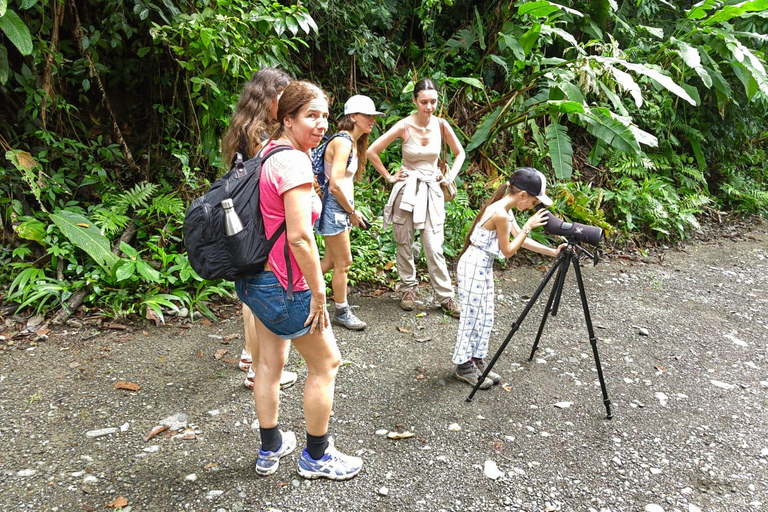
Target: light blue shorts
{"type": "Point", "coordinates": [334, 218]}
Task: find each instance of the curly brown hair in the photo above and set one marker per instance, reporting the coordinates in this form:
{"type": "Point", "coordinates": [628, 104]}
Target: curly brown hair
{"type": "Point", "coordinates": [250, 122]}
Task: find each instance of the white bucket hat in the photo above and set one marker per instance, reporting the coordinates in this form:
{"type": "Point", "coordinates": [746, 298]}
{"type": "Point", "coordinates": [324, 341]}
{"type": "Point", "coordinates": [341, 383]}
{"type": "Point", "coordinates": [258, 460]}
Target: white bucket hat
{"type": "Point", "coordinates": [359, 104]}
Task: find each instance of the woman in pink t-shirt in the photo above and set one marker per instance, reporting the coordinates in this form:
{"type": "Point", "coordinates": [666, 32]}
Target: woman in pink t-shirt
{"type": "Point", "coordinates": [295, 310]}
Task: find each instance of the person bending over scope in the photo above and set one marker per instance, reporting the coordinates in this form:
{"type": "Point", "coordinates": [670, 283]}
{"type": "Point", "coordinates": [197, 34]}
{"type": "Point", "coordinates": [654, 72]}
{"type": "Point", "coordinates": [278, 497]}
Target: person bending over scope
{"type": "Point", "coordinates": [488, 238]}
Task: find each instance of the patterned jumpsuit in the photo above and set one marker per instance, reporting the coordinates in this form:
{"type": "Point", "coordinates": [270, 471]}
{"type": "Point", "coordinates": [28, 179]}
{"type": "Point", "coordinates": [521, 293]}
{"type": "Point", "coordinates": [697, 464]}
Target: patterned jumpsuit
{"type": "Point", "coordinates": [475, 275]}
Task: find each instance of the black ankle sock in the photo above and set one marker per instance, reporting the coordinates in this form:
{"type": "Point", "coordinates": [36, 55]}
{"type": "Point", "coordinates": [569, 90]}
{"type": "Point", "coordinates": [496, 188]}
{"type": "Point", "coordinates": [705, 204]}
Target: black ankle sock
{"type": "Point", "coordinates": [271, 439]}
{"type": "Point", "coordinates": [316, 445]}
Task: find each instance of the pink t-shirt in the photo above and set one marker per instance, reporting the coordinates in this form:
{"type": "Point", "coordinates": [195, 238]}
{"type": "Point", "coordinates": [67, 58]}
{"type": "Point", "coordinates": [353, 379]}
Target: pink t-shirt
{"type": "Point", "coordinates": [280, 173]}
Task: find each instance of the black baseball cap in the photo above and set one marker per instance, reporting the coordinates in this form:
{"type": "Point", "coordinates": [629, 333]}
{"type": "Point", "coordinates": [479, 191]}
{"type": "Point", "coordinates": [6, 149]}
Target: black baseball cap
{"type": "Point", "coordinates": [532, 181]}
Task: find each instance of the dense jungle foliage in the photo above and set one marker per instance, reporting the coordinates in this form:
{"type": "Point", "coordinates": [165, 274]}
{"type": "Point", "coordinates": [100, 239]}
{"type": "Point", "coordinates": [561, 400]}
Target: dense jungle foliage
{"type": "Point", "coordinates": [645, 115]}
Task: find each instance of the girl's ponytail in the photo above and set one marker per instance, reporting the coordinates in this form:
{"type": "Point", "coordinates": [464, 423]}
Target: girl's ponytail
{"type": "Point", "coordinates": [498, 194]}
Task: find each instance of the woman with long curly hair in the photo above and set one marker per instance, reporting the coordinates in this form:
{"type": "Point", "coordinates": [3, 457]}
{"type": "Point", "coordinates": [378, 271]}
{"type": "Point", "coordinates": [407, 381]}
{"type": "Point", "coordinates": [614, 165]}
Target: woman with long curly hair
{"type": "Point", "coordinates": [255, 117]}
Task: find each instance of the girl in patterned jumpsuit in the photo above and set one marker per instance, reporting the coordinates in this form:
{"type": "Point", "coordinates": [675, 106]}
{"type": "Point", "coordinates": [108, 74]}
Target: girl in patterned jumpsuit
{"type": "Point", "coordinates": [488, 238]}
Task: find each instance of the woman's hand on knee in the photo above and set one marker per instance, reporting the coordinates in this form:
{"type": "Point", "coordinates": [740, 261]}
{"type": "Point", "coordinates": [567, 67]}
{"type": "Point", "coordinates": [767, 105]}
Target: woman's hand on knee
{"type": "Point", "coordinates": [318, 314]}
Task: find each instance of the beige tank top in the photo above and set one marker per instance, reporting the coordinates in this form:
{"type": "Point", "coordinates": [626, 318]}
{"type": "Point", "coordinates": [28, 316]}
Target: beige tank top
{"type": "Point", "coordinates": [422, 158]}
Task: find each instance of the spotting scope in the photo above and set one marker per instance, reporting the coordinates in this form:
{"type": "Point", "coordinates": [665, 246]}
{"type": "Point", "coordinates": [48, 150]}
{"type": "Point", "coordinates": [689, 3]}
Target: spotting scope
{"type": "Point", "coordinates": [581, 232]}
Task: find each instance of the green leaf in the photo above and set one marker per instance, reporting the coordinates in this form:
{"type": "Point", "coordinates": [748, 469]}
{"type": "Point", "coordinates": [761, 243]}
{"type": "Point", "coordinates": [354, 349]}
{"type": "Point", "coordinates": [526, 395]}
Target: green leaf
{"type": "Point", "coordinates": [692, 59]}
{"type": "Point", "coordinates": [657, 76]}
{"type": "Point", "coordinates": [735, 11]}
{"type": "Point", "coordinates": [480, 34]}
{"type": "Point", "coordinates": [701, 160]}
{"type": "Point", "coordinates": [5, 70]}
{"type": "Point", "coordinates": [3, 7]}
{"type": "Point", "coordinates": [147, 272]}
{"type": "Point", "coordinates": [700, 9]}
{"type": "Point", "coordinates": [566, 106]}
{"type": "Point", "coordinates": [628, 83]}
{"type": "Point", "coordinates": [474, 82]}
{"type": "Point", "coordinates": [89, 239]}
{"type": "Point", "coordinates": [501, 62]}
{"type": "Point", "coordinates": [602, 124]}
{"type": "Point", "coordinates": [31, 230]}
{"type": "Point", "coordinates": [125, 270]}
{"type": "Point", "coordinates": [596, 153]}
{"type": "Point", "coordinates": [293, 26]}
{"type": "Point", "coordinates": [129, 251]}
{"type": "Point", "coordinates": [548, 29]}
{"type": "Point", "coordinates": [560, 150]}
{"type": "Point", "coordinates": [480, 136]}
{"type": "Point", "coordinates": [654, 31]}
{"type": "Point", "coordinates": [507, 41]}
{"type": "Point", "coordinates": [540, 9]}
{"type": "Point", "coordinates": [572, 91]}
{"type": "Point", "coordinates": [528, 39]}
{"type": "Point", "coordinates": [16, 31]}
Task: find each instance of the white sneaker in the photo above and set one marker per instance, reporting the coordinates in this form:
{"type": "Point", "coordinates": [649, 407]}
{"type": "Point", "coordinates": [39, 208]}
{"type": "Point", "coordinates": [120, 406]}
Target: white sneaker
{"type": "Point", "coordinates": [245, 361]}
{"type": "Point", "coordinates": [287, 379]}
{"type": "Point", "coordinates": [333, 465]}
{"type": "Point", "coordinates": [268, 462]}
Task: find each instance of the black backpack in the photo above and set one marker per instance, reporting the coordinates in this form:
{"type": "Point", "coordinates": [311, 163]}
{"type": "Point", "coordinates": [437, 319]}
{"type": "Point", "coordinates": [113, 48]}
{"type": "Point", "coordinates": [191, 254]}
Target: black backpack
{"type": "Point", "coordinates": [212, 253]}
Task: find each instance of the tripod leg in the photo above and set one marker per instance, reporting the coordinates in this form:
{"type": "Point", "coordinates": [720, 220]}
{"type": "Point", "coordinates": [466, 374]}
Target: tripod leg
{"type": "Point", "coordinates": [516, 325]}
{"type": "Point", "coordinates": [592, 337]}
{"type": "Point", "coordinates": [554, 296]}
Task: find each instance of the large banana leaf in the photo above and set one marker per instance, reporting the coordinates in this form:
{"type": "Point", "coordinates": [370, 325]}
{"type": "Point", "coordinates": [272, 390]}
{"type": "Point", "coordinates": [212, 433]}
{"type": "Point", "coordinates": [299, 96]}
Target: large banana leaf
{"type": "Point", "coordinates": [613, 132]}
{"type": "Point", "coordinates": [560, 150]}
{"type": "Point", "coordinates": [655, 75]}
{"type": "Point", "coordinates": [85, 236]}
{"type": "Point", "coordinates": [734, 11]}
{"type": "Point", "coordinates": [692, 58]}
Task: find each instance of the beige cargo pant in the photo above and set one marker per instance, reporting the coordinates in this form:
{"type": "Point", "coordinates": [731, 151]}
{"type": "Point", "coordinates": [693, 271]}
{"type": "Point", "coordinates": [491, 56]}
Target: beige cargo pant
{"type": "Point", "coordinates": [432, 240]}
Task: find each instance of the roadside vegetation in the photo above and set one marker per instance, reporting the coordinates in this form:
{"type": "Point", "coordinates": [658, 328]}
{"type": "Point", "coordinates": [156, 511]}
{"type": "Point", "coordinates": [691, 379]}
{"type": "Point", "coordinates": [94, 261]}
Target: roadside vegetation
{"type": "Point", "coordinates": [645, 116]}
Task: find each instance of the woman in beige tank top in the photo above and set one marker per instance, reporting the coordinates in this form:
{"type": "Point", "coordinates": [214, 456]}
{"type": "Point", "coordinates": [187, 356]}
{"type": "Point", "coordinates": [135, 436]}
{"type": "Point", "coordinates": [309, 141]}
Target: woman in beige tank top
{"type": "Point", "coordinates": [416, 201]}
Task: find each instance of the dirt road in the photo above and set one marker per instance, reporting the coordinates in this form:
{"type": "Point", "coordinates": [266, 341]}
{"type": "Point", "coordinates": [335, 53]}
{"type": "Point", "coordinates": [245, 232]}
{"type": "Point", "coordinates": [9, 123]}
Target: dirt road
{"type": "Point", "coordinates": [683, 348]}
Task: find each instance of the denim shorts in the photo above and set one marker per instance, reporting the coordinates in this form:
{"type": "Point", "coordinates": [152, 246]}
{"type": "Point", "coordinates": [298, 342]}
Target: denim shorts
{"type": "Point", "coordinates": [334, 218]}
{"type": "Point", "coordinates": [269, 301]}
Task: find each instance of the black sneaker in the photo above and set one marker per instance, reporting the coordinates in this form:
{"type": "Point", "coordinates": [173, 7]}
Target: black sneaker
{"type": "Point", "coordinates": [481, 366]}
{"type": "Point", "coordinates": [467, 372]}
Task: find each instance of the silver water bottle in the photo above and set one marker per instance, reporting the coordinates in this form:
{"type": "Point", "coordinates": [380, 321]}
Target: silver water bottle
{"type": "Point", "coordinates": [232, 222]}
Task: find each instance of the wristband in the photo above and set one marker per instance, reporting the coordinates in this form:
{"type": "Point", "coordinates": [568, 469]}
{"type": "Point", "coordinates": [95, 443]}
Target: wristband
{"type": "Point", "coordinates": [526, 231]}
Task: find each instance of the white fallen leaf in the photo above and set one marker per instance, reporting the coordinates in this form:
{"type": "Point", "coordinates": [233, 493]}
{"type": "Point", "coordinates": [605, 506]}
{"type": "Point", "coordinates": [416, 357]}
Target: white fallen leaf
{"type": "Point", "coordinates": [454, 427]}
{"type": "Point", "coordinates": [563, 405]}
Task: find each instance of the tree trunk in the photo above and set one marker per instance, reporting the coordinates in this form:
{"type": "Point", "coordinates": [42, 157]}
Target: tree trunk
{"type": "Point", "coordinates": [78, 33]}
{"type": "Point", "coordinates": [47, 83]}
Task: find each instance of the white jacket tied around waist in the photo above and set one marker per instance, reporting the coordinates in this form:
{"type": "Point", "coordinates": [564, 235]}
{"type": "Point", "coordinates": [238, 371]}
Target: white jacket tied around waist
{"type": "Point", "coordinates": [422, 196]}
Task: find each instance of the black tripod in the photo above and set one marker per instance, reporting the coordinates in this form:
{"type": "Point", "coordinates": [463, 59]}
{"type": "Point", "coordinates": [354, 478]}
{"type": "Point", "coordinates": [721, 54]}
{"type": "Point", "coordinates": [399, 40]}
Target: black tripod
{"type": "Point", "coordinates": [566, 256]}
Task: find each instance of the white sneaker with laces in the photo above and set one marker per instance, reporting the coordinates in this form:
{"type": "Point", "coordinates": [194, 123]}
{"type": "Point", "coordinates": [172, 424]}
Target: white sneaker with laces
{"type": "Point", "coordinates": [333, 465]}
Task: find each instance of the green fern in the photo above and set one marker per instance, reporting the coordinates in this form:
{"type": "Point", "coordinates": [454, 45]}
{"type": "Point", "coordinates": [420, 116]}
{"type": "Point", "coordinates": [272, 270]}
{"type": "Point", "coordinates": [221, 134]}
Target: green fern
{"type": "Point", "coordinates": [108, 220]}
{"type": "Point", "coordinates": [167, 204]}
